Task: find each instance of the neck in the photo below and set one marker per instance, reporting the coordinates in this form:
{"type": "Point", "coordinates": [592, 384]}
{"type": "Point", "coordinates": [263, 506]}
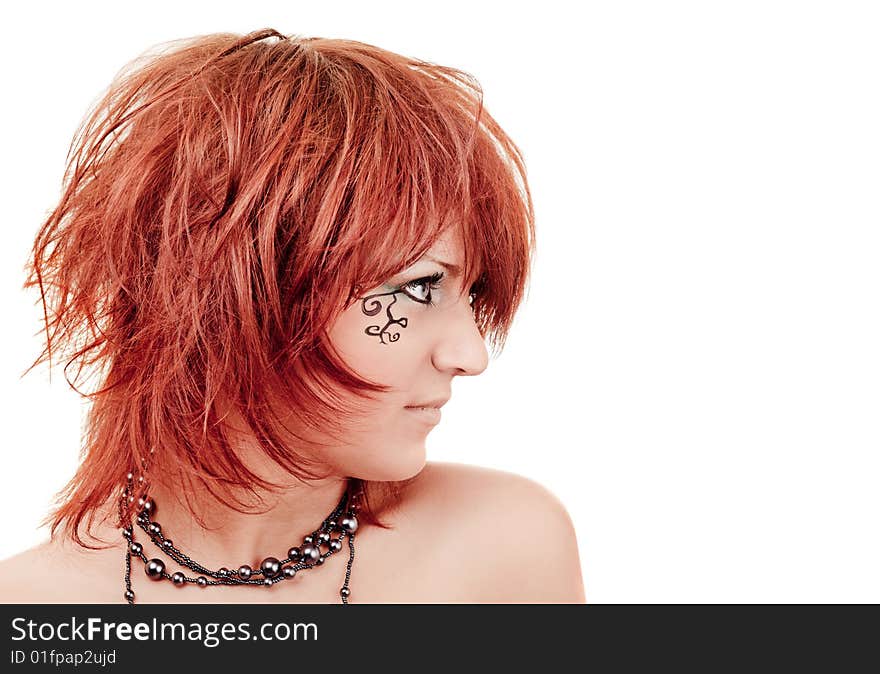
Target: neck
{"type": "Point", "coordinates": [225, 536]}
{"type": "Point", "coordinates": [230, 538]}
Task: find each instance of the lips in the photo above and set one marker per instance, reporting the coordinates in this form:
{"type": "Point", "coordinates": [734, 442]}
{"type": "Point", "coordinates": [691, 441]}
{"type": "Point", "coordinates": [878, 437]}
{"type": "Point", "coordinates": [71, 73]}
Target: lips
{"type": "Point", "coordinates": [430, 415]}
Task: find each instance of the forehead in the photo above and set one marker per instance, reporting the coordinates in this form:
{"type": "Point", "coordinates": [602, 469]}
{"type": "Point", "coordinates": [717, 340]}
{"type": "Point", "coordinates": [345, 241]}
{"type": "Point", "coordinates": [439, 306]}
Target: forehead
{"type": "Point", "coordinates": [448, 248]}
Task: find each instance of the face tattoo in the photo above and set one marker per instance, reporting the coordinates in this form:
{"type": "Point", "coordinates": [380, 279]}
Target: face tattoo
{"type": "Point", "coordinates": [375, 308]}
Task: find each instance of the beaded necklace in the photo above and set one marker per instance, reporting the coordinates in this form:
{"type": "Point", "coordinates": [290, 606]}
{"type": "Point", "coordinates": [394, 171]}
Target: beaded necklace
{"type": "Point", "coordinates": [306, 556]}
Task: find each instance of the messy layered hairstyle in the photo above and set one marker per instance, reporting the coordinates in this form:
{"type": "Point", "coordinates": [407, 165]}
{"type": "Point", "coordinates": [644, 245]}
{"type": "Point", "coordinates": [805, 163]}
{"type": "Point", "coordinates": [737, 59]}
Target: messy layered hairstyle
{"type": "Point", "coordinates": [223, 202]}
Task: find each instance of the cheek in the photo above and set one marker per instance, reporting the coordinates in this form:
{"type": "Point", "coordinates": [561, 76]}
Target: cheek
{"type": "Point", "coordinates": [391, 363]}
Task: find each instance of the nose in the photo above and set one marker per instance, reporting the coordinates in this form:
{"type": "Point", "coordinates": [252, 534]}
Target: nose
{"type": "Point", "coordinates": [460, 348]}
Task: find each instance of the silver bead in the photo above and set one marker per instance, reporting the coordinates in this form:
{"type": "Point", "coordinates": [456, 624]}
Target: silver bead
{"type": "Point", "coordinates": [129, 477]}
{"type": "Point", "coordinates": [288, 571]}
{"type": "Point", "coordinates": [178, 579]}
{"type": "Point", "coordinates": [244, 572]}
{"type": "Point", "coordinates": [310, 554]}
{"type": "Point", "coordinates": [345, 592]}
{"type": "Point", "coordinates": [136, 548]}
{"type": "Point", "coordinates": [270, 567]}
{"type": "Point", "coordinates": [154, 569]}
{"type": "Point", "coordinates": [155, 527]}
{"type": "Point", "coordinates": [294, 554]}
{"type": "Point", "coordinates": [268, 582]}
{"type": "Point", "coordinates": [201, 581]}
{"type": "Point", "coordinates": [308, 540]}
{"type": "Point", "coordinates": [320, 560]}
{"type": "Point", "coordinates": [324, 537]}
{"type": "Point", "coordinates": [335, 545]}
{"type": "Point", "coordinates": [350, 524]}
{"type": "Point", "coordinates": [223, 571]}
{"type": "Point", "coordinates": [148, 505]}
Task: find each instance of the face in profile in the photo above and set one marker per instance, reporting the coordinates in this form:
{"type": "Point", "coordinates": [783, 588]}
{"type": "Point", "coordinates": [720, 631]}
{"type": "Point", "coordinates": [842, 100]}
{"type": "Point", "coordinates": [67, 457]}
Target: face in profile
{"type": "Point", "coordinates": [414, 333]}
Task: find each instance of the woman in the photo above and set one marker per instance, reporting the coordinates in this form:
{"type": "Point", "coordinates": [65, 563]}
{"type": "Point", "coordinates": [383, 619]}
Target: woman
{"type": "Point", "coordinates": [275, 254]}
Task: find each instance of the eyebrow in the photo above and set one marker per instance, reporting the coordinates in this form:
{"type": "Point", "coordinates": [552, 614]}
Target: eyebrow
{"type": "Point", "coordinates": [453, 269]}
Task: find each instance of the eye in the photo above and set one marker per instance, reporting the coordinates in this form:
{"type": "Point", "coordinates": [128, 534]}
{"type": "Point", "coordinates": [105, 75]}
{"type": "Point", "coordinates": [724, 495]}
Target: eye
{"type": "Point", "coordinates": [476, 290]}
{"type": "Point", "coordinates": [427, 284]}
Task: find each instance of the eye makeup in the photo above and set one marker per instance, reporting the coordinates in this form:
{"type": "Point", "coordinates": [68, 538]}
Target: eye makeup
{"type": "Point", "coordinates": [431, 283]}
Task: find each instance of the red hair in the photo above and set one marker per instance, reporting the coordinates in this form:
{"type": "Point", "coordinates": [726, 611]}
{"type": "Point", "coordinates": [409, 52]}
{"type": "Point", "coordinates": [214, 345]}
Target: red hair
{"type": "Point", "coordinates": [223, 202]}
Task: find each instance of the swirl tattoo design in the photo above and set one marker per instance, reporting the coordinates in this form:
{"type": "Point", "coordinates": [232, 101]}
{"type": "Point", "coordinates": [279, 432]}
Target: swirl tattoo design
{"type": "Point", "coordinates": [375, 307]}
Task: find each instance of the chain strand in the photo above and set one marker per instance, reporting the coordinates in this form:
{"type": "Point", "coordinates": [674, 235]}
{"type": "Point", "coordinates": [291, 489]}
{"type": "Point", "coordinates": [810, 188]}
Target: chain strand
{"type": "Point", "coordinates": [223, 576]}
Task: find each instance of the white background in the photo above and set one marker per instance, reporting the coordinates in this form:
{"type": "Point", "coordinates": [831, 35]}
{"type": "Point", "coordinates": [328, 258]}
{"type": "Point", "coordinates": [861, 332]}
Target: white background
{"type": "Point", "coordinates": [695, 373]}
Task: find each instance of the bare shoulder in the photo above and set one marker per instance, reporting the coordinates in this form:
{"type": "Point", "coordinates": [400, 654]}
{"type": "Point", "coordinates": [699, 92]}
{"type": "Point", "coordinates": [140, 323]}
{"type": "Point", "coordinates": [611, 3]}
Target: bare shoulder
{"type": "Point", "coordinates": [75, 575]}
{"type": "Point", "coordinates": [18, 572]}
{"type": "Point", "coordinates": [518, 539]}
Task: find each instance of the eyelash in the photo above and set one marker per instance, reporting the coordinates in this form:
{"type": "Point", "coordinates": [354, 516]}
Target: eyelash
{"type": "Point", "coordinates": [433, 283]}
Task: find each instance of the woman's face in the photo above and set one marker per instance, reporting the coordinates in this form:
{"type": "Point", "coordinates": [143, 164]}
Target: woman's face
{"type": "Point", "coordinates": [415, 334]}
